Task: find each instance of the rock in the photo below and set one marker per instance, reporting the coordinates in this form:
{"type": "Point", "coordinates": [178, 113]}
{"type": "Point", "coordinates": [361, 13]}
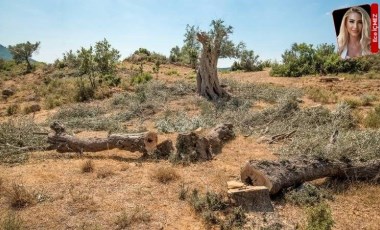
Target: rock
{"type": "Point", "coordinates": [252, 198]}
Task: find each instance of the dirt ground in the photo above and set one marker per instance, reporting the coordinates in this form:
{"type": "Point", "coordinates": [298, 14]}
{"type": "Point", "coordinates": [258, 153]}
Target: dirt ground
{"type": "Point", "coordinates": [71, 199]}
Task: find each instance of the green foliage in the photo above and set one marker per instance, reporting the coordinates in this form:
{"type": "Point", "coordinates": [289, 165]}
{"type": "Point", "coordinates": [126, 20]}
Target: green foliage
{"type": "Point", "coordinates": [319, 217]}
{"type": "Point", "coordinates": [143, 54]}
{"type": "Point", "coordinates": [142, 51]}
{"type": "Point", "coordinates": [191, 47]}
{"type": "Point", "coordinates": [248, 62]}
{"type": "Point", "coordinates": [175, 55]}
{"type": "Point", "coordinates": [87, 64]}
{"type": "Point", "coordinates": [156, 67]}
{"type": "Point", "coordinates": [141, 78]}
{"type": "Point", "coordinates": [106, 58]}
{"type": "Point", "coordinates": [305, 194]}
{"type": "Point", "coordinates": [70, 60]}
{"type": "Point", "coordinates": [84, 92]}
{"type": "Point", "coordinates": [303, 59]}
{"type": "Point", "coordinates": [22, 52]}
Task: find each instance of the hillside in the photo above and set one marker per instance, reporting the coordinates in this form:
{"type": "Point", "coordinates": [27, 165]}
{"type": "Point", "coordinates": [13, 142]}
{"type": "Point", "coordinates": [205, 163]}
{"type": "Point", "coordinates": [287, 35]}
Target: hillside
{"type": "Point", "coordinates": [119, 189]}
{"type": "Point", "coordinates": [4, 53]}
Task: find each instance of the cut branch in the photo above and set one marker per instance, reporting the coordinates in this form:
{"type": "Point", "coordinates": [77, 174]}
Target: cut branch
{"type": "Point", "coordinates": [63, 142]}
{"type": "Point", "coordinates": [277, 175]}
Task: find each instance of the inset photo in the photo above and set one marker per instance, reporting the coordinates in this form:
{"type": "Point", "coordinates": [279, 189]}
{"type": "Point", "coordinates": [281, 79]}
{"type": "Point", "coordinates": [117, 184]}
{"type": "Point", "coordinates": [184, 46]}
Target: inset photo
{"type": "Point", "coordinates": [353, 31]}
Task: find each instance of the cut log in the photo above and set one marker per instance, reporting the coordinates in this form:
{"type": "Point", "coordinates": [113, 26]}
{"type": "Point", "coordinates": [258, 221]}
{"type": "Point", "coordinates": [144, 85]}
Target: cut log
{"type": "Point", "coordinates": [193, 147]}
{"type": "Point", "coordinates": [277, 175]}
{"type": "Point", "coordinates": [145, 143]}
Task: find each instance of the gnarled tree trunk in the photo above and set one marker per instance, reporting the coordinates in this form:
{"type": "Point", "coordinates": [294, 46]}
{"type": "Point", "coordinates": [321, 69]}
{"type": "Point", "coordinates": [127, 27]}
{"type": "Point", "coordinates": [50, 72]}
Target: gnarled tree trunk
{"type": "Point", "coordinates": [276, 175]}
{"type": "Point", "coordinates": [207, 75]}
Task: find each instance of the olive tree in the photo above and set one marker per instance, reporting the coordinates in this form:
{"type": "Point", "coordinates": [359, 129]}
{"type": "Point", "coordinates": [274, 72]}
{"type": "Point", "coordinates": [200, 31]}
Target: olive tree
{"type": "Point", "coordinates": [215, 44]}
{"type": "Point", "coordinates": [23, 52]}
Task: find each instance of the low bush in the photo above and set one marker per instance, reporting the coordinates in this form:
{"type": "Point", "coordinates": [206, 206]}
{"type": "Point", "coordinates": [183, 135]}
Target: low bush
{"type": "Point", "coordinates": [319, 217]}
{"type": "Point", "coordinates": [140, 78]}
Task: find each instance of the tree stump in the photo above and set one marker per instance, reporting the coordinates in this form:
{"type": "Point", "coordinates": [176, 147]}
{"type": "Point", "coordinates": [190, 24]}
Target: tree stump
{"type": "Point", "coordinates": [252, 198]}
{"type": "Point", "coordinates": [193, 147]}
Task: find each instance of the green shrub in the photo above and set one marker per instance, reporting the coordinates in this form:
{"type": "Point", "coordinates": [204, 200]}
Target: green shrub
{"type": "Point", "coordinates": [302, 59]}
{"type": "Point", "coordinates": [141, 78]}
{"type": "Point", "coordinates": [319, 217]}
{"type": "Point", "coordinates": [84, 92]}
{"type": "Point", "coordinates": [306, 194]}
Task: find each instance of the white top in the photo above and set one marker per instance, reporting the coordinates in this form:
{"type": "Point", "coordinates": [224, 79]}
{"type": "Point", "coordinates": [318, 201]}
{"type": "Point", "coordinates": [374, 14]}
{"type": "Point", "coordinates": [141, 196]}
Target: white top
{"type": "Point", "coordinates": [344, 53]}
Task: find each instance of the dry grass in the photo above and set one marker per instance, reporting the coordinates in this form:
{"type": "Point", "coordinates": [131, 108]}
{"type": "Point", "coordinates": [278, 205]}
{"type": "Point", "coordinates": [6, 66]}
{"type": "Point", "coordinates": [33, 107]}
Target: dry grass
{"type": "Point", "coordinates": [321, 95]}
{"type": "Point", "coordinates": [11, 221]}
{"type": "Point", "coordinates": [81, 201]}
{"type": "Point", "coordinates": [165, 174]}
{"type": "Point", "coordinates": [137, 215]}
{"type": "Point", "coordinates": [372, 120]}
{"type": "Point", "coordinates": [104, 172]}
{"type": "Point", "coordinates": [19, 196]}
{"type": "Point", "coordinates": [88, 166]}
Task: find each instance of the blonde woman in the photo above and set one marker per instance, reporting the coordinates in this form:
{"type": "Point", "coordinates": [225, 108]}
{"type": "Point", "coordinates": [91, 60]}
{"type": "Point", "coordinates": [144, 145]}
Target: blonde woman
{"type": "Point", "coordinates": [354, 34]}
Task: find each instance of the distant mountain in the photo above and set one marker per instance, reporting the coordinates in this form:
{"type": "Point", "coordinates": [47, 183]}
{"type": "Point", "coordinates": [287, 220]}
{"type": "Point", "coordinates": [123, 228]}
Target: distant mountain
{"type": "Point", "coordinates": [4, 53]}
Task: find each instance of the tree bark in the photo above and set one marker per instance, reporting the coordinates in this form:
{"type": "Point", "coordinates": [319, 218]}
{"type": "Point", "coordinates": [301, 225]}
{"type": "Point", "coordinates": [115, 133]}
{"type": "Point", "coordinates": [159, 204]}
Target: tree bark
{"type": "Point", "coordinates": [207, 75]}
{"type": "Point", "coordinates": [277, 175]}
{"type": "Point", "coordinates": [141, 142]}
{"type": "Point", "coordinates": [193, 147]}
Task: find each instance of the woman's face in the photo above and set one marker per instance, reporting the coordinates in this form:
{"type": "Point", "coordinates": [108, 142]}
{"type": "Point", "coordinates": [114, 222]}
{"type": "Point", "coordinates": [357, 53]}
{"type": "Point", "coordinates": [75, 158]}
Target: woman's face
{"type": "Point", "coordinates": [354, 24]}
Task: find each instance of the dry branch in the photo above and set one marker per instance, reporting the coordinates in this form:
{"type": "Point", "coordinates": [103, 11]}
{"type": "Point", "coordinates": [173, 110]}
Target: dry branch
{"type": "Point", "coordinates": [277, 175]}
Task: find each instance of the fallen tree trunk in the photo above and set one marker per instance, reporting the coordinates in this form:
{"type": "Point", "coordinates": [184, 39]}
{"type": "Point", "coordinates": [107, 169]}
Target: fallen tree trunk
{"type": "Point", "coordinates": [63, 142]}
{"type": "Point", "coordinates": [277, 175]}
{"type": "Point", "coordinates": [193, 147]}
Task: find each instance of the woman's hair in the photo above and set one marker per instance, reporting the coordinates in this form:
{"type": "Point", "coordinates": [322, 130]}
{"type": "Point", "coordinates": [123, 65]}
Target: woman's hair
{"type": "Point", "coordinates": [365, 36]}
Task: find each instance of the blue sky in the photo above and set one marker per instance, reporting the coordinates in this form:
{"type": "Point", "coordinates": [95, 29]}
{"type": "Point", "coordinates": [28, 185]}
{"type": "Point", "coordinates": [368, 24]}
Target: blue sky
{"type": "Point", "coordinates": [267, 27]}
